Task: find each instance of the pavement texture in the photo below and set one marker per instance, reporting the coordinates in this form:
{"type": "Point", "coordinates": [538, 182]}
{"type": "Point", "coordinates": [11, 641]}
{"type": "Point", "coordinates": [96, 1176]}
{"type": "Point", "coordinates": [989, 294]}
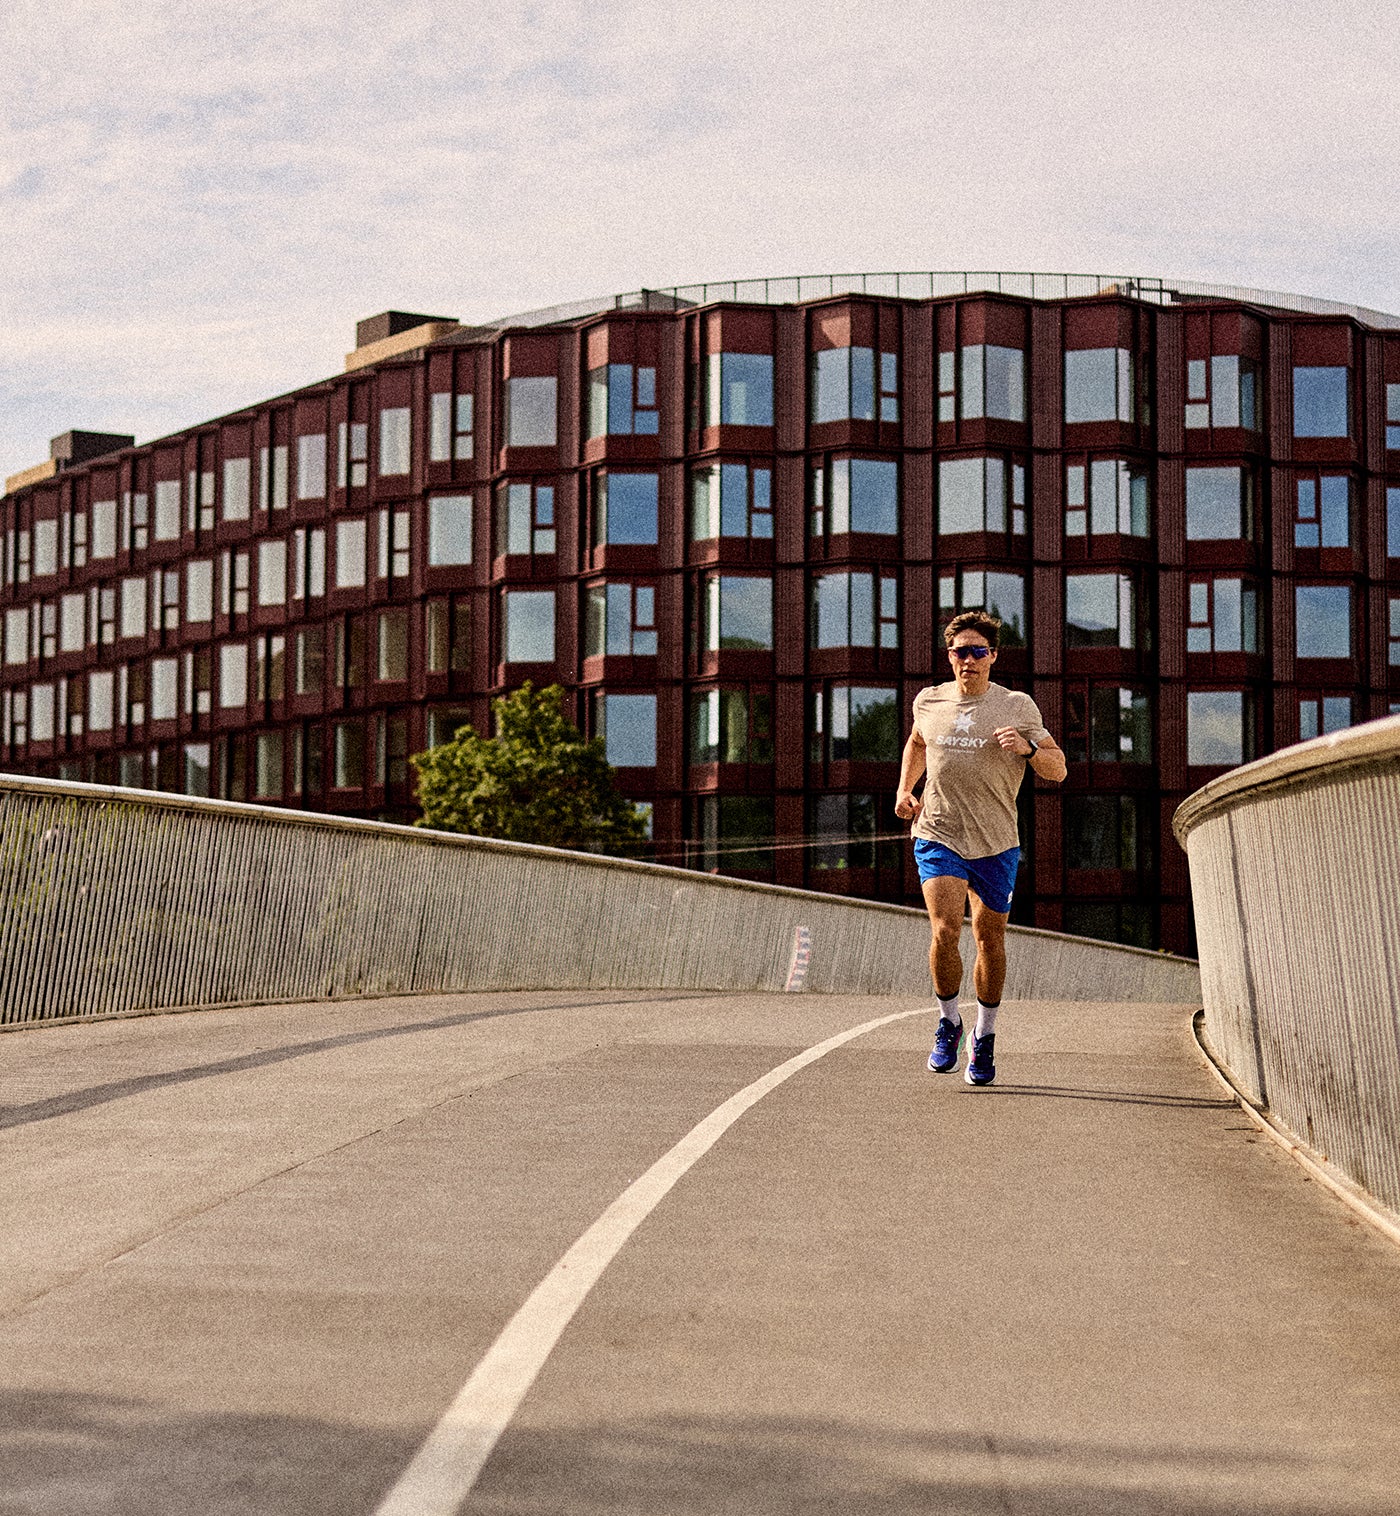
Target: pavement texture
{"type": "Point", "coordinates": [250, 1256]}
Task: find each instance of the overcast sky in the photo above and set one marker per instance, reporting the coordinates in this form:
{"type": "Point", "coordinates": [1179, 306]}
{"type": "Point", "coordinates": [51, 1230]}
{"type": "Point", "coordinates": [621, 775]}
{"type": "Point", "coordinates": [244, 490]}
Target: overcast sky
{"type": "Point", "coordinates": [198, 200]}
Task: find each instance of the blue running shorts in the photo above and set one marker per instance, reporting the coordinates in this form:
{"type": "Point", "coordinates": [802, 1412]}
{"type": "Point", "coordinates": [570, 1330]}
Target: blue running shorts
{"type": "Point", "coordinates": [993, 878]}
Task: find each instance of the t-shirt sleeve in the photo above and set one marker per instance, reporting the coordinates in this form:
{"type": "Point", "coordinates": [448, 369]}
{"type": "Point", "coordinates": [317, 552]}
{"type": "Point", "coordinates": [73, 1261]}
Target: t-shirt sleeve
{"type": "Point", "coordinates": [1029, 723]}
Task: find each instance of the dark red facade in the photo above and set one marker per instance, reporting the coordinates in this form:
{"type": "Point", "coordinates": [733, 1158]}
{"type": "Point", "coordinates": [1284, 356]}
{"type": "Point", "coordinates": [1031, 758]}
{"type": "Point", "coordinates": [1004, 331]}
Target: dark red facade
{"type": "Point", "coordinates": [731, 532]}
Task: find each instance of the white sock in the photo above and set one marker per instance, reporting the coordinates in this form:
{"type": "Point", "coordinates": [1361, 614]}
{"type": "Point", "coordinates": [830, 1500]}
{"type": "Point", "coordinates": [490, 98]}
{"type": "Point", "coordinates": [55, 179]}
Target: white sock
{"type": "Point", "coordinates": [949, 1008]}
{"type": "Point", "coordinates": [986, 1019]}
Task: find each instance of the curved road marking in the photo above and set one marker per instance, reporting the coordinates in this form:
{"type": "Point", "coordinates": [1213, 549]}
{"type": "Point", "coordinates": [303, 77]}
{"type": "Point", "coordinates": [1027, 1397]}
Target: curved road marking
{"type": "Point", "coordinates": [446, 1467]}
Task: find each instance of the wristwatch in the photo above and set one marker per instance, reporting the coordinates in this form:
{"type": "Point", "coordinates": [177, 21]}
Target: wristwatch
{"type": "Point", "coordinates": [1035, 748]}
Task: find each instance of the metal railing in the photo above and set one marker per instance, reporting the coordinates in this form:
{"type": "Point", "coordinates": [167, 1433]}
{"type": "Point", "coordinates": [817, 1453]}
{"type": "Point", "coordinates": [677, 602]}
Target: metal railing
{"type": "Point", "coordinates": [1295, 875]}
{"type": "Point", "coordinates": [796, 289]}
{"type": "Point", "coordinates": [117, 901]}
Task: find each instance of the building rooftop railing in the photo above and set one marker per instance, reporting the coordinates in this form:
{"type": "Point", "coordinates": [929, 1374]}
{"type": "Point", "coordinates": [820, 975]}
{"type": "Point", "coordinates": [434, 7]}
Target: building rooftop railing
{"type": "Point", "coordinates": [797, 289]}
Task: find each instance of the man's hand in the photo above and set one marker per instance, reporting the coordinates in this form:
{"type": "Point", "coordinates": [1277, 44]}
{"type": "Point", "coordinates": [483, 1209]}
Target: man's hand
{"type": "Point", "coordinates": [1012, 741]}
{"type": "Point", "coordinates": [905, 805]}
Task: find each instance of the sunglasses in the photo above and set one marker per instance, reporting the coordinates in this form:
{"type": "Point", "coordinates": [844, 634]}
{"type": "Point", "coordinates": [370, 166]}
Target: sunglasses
{"type": "Point", "coordinates": [970, 652]}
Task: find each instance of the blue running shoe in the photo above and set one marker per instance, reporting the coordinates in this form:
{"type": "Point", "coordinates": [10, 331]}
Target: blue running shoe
{"type": "Point", "coordinates": [947, 1039]}
{"type": "Point", "coordinates": [980, 1068]}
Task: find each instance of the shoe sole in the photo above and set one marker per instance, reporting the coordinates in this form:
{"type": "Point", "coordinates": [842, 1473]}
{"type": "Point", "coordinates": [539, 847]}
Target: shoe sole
{"type": "Point", "coordinates": [980, 1083]}
{"type": "Point", "coordinates": [950, 1068]}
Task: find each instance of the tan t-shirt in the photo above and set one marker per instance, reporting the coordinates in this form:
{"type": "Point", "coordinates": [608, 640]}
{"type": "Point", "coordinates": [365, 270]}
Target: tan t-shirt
{"type": "Point", "coordinates": [970, 789]}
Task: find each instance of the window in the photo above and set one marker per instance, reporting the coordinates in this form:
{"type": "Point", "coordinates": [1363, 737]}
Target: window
{"type": "Point", "coordinates": [1107, 723]}
{"type": "Point", "coordinates": [1003, 594]}
{"type": "Point", "coordinates": [619, 621]}
{"type": "Point", "coordinates": [739, 389]}
{"type": "Point", "coordinates": [309, 661]}
{"type": "Point", "coordinates": [731, 726]}
{"type": "Point", "coordinates": [993, 383]}
{"type": "Point", "coordinates": [981, 495]}
{"type": "Point", "coordinates": [1320, 714]}
{"type": "Point", "coordinates": [1106, 832]}
{"type": "Point", "coordinates": [1320, 407]}
{"type": "Point", "coordinates": [1100, 610]}
{"type": "Point", "coordinates": [41, 713]}
{"type": "Point", "coordinates": [1392, 416]}
{"type": "Point", "coordinates": [104, 620]}
{"type": "Point", "coordinates": [627, 725]}
{"type": "Point", "coordinates": [72, 623]}
{"type": "Point", "coordinates": [843, 386]}
{"type": "Point", "coordinates": [267, 766]}
{"type": "Point", "coordinates": [198, 681]}
{"type": "Point", "coordinates": [46, 548]}
{"type": "Point", "coordinates": [1219, 728]}
{"type": "Point", "coordinates": [17, 635]}
{"type": "Point", "coordinates": [395, 441]}
{"type": "Point", "coordinates": [532, 412]}
{"type": "Point", "coordinates": [847, 829]}
{"type": "Point", "coordinates": [237, 488]}
{"type": "Point", "coordinates": [47, 615]}
{"type": "Point", "coordinates": [164, 689]}
{"type": "Point", "coordinates": [233, 675]}
{"type": "Point", "coordinates": [738, 613]}
{"type": "Point", "coordinates": [165, 599]}
{"type": "Point", "coordinates": [1223, 617]}
{"type": "Point", "coordinates": [233, 583]}
{"type": "Point", "coordinates": [525, 519]}
{"type": "Point", "coordinates": [78, 546]}
{"type": "Point", "coordinates": [1392, 522]}
{"type": "Point", "coordinates": [104, 528]}
{"type": "Point", "coordinates": [449, 530]}
{"type": "Point", "coordinates": [1394, 632]}
{"type": "Point", "coordinates": [1219, 505]}
{"type": "Point", "coordinates": [101, 688]}
{"type": "Point", "coordinates": [855, 495]}
{"type": "Point", "coordinates": [624, 509]}
{"type": "Point", "coordinates": [451, 428]}
{"type": "Point", "coordinates": [352, 454]}
{"type": "Point", "coordinates": [734, 833]}
{"type": "Point", "coordinates": [855, 724]}
{"type": "Point", "coordinates": [529, 626]}
{"type": "Point", "coordinates": [1106, 496]}
{"type": "Point", "coordinates": [133, 607]}
{"type": "Point", "coordinates": [311, 473]}
{"type": "Point", "coordinates": [392, 666]}
{"type": "Point", "coordinates": [349, 554]}
{"type": "Point", "coordinates": [167, 512]}
{"type": "Point", "coordinates": [1324, 512]}
{"type": "Point", "coordinates": [1222, 392]}
{"type": "Point", "coordinates": [622, 401]}
{"type": "Point", "coordinates": [731, 500]}
{"type": "Point", "coordinates": [1099, 384]}
{"type": "Point", "coordinates": [854, 610]}
{"type": "Point", "coordinates": [349, 755]}
{"type": "Point", "coordinates": [272, 573]}
{"type": "Point", "coordinates": [1323, 620]}
{"type": "Point", "coordinates": [392, 540]}
{"type": "Point", "coordinates": [272, 478]}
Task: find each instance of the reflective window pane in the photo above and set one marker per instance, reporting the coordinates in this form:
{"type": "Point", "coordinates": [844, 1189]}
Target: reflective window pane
{"type": "Point", "coordinates": [1215, 504]}
{"type": "Point", "coordinates": [629, 730]}
{"type": "Point", "coordinates": [1320, 402]}
{"type": "Point", "coordinates": [1215, 727]}
{"type": "Point", "coordinates": [1323, 620]}
{"type": "Point", "coordinates": [529, 628]}
{"type": "Point", "coordinates": [532, 412]}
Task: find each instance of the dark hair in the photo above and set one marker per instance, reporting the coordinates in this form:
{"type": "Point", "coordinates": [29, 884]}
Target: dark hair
{"type": "Point", "coordinates": [973, 621]}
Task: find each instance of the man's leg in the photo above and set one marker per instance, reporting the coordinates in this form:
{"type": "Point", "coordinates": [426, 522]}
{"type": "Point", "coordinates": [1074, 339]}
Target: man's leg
{"type": "Point", "coordinates": [946, 897]}
{"type": "Point", "coordinates": [989, 933]}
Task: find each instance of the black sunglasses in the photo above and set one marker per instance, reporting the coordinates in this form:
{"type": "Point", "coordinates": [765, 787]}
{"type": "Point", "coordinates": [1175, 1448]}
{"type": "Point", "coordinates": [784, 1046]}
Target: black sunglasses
{"type": "Point", "coordinates": [970, 652]}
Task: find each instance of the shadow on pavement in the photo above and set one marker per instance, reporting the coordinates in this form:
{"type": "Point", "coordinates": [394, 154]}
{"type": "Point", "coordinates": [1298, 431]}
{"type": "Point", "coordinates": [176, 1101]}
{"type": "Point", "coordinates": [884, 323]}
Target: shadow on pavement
{"type": "Point", "coordinates": [1116, 1097]}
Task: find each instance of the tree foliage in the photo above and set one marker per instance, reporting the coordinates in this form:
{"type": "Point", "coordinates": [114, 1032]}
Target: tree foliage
{"type": "Point", "coordinates": [536, 780]}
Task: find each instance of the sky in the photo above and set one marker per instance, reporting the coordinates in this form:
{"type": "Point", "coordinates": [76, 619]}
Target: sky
{"type": "Point", "coordinates": [199, 200]}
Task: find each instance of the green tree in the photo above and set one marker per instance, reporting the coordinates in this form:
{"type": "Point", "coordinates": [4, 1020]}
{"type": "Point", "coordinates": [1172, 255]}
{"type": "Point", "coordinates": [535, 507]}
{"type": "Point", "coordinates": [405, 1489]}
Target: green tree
{"type": "Point", "coordinates": [536, 780]}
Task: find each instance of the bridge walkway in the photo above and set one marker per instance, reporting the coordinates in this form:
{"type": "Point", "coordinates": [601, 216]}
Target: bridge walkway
{"type": "Point", "coordinates": [250, 1257]}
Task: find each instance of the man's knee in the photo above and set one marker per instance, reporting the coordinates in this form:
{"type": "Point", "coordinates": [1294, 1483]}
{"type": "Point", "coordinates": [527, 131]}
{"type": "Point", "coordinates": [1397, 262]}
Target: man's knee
{"type": "Point", "coordinates": [989, 932]}
{"type": "Point", "coordinates": [947, 933]}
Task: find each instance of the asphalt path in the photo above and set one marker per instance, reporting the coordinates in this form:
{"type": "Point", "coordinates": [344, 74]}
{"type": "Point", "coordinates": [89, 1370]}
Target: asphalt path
{"type": "Point", "coordinates": [251, 1258]}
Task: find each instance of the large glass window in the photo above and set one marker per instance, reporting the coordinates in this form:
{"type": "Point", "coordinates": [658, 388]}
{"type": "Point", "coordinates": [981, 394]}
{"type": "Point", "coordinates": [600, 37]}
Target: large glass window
{"type": "Point", "coordinates": [272, 573]}
{"type": "Point", "coordinates": [395, 440]}
{"type": "Point", "coordinates": [1106, 832]}
{"type": "Point", "coordinates": [1222, 616]}
{"type": "Point", "coordinates": [622, 401]}
{"type": "Point", "coordinates": [855, 495]}
{"type": "Point", "coordinates": [101, 690]}
{"type": "Point", "coordinates": [1320, 714]}
{"type": "Point", "coordinates": [1324, 512]}
{"type": "Point", "coordinates": [41, 713]}
{"type": "Point", "coordinates": [739, 389]}
{"type": "Point", "coordinates": [311, 471]}
{"type": "Point", "coordinates": [164, 689]}
{"type": "Point", "coordinates": [848, 833]}
{"type": "Point", "coordinates": [734, 833]}
{"type": "Point", "coordinates": [1392, 417]}
{"type": "Point", "coordinates": [1222, 392]}
{"type": "Point", "coordinates": [72, 623]}
{"type": "Point", "coordinates": [1392, 522]}
{"type": "Point", "coordinates": [349, 554]}
{"type": "Point", "coordinates": [351, 455]}
{"type": "Point", "coordinates": [981, 495]}
{"type": "Point", "coordinates": [1219, 505]}
{"type": "Point", "coordinates": [309, 660]}
{"type": "Point", "coordinates": [625, 509]}
{"type": "Point", "coordinates": [449, 530]}
{"type": "Point", "coordinates": [525, 519]}
{"type": "Point", "coordinates": [392, 664]}
{"type": "Point", "coordinates": [1219, 728]}
{"type": "Point", "coordinates": [1100, 610]}
{"type": "Point", "coordinates": [994, 590]}
{"type": "Point", "coordinates": [731, 500]}
{"type": "Point", "coordinates": [1393, 629]}
{"type": "Point", "coordinates": [993, 382]}
{"type": "Point", "coordinates": [532, 412]}
{"type": "Point", "coordinates": [451, 427]}
{"type": "Point", "coordinates": [843, 384]}
{"type": "Point", "coordinates": [627, 725]}
{"type": "Point", "coordinates": [233, 675]}
{"type": "Point", "coordinates": [857, 609]}
{"type": "Point", "coordinates": [738, 613]}
{"type": "Point", "coordinates": [1107, 723]}
{"type": "Point", "coordinates": [104, 528]}
{"type": "Point", "coordinates": [1323, 620]}
{"type": "Point", "coordinates": [731, 726]}
{"type": "Point", "coordinates": [855, 724]}
{"type": "Point", "coordinates": [349, 755]}
{"type": "Point", "coordinates": [133, 619]}
{"type": "Point", "coordinates": [167, 516]}
{"type": "Point", "coordinates": [1320, 407]}
{"type": "Point", "coordinates": [619, 621]}
{"type": "Point", "coordinates": [529, 626]}
{"type": "Point", "coordinates": [1106, 497]}
{"type": "Point", "coordinates": [1099, 384]}
{"type": "Point", "coordinates": [17, 635]}
{"type": "Point", "coordinates": [238, 488]}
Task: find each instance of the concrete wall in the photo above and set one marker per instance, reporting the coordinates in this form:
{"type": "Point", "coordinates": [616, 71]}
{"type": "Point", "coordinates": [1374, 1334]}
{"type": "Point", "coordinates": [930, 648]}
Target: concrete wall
{"type": "Point", "coordinates": [1295, 873]}
{"type": "Point", "coordinates": [124, 900]}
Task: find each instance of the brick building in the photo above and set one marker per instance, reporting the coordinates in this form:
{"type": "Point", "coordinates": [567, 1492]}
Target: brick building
{"type": "Point", "coordinates": [730, 520]}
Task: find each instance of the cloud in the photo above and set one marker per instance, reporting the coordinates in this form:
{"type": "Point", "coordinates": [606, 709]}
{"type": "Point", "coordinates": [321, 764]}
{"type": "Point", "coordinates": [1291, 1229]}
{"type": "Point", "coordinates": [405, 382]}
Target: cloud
{"type": "Point", "coordinates": [198, 200]}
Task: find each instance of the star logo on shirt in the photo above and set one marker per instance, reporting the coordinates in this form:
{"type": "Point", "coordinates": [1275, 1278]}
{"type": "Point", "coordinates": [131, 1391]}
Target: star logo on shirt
{"type": "Point", "coordinates": [963, 722]}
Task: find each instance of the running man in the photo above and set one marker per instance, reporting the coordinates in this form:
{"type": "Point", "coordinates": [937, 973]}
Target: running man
{"type": "Point", "coordinates": [973, 740]}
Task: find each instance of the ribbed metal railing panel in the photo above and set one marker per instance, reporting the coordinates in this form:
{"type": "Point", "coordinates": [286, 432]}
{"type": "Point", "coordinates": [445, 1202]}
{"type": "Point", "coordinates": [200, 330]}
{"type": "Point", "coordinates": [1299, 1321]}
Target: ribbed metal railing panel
{"type": "Point", "coordinates": [119, 901]}
{"type": "Point", "coordinates": [1295, 876]}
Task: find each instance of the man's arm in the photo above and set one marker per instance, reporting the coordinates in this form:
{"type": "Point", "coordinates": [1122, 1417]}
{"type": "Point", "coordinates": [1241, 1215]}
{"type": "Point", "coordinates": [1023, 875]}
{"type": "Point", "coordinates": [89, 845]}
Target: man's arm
{"type": "Point", "coordinates": [911, 768]}
{"type": "Point", "coordinates": [1048, 759]}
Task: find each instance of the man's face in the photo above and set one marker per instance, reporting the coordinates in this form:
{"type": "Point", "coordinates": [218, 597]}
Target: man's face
{"type": "Point", "coordinates": [973, 673]}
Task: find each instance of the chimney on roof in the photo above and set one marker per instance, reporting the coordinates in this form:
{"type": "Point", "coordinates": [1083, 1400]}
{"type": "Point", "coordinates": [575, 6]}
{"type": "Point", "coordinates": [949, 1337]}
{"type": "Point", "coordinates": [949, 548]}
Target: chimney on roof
{"type": "Point", "coordinates": [73, 448]}
{"type": "Point", "coordinates": [391, 323]}
{"type": "Point", "coordinates": [393, 332]}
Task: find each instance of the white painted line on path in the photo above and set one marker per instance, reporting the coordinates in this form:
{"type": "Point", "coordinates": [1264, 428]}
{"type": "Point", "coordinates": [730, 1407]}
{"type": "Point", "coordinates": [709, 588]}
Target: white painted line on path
{"type": "Point", "coordinates": [446, 1467]}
